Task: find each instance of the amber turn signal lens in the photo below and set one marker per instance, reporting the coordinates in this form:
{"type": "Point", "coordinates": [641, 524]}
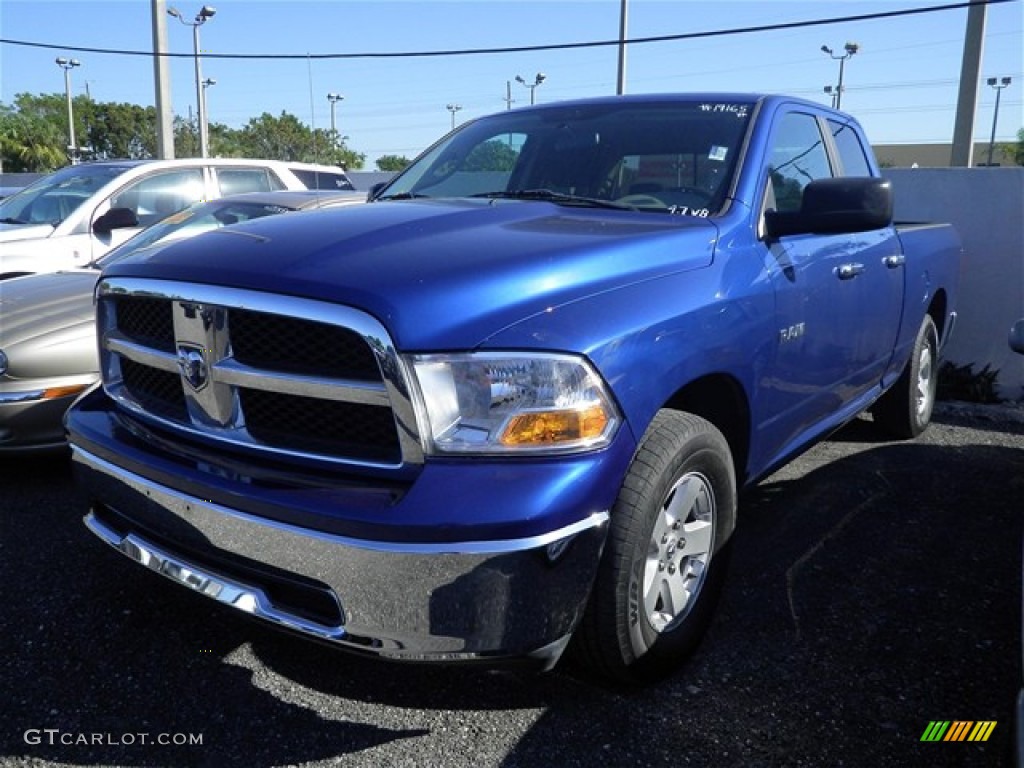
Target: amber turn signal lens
{"type": "Point", "coordinates": [554, 427]}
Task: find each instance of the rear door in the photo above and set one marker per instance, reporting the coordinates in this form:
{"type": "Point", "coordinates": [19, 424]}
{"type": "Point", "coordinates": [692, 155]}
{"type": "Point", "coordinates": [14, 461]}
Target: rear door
{"type": "Point", "coordinates": [877, 279]}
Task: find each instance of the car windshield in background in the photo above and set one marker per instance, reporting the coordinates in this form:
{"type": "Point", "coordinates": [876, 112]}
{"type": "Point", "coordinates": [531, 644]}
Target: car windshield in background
{"type": "Point", "coordinates": [194, 220]}
{"type": "Point", "coordinates": [53, 198]}
{"type": "Point", "coordinates": [675, 157]}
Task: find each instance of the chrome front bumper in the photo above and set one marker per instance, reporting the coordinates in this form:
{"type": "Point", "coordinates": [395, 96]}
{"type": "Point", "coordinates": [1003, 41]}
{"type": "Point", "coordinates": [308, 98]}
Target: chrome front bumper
{"type": "Point", "coordinates": [457, 601]}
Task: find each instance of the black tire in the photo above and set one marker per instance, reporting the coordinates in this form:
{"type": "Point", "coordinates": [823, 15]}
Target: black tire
{"type": "Point", "coordinates": [663, 565]}
{"type": "Point", "coordinates": [905, 410]}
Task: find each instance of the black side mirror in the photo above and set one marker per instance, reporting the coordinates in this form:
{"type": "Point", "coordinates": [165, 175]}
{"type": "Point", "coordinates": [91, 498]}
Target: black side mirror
{"type": "Point", "coordinates": [836, 206]}
{"type": "Point", "coordinates": [375, 190]}
{"type": "Point", "coordinates": [115, 218]}
{"type": "Point", "coordinates": [1017, 337]}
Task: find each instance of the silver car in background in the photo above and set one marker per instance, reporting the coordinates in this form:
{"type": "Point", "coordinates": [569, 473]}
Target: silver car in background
{"type": "Point", "coordinates": [48, 352]}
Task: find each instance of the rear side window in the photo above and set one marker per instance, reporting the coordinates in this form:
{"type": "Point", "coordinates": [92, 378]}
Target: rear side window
{"type": "Point", "coordinates": [851, 151]}
{"type": "Point", "coordinates": [322, 179]}
{"type": "Point", "coordinates": [235, 181]}
{"type": "Point", "coordinates": [797, 156]}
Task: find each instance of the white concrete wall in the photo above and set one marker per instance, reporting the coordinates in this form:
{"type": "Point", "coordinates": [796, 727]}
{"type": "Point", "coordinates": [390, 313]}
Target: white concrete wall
{"type": "Point", "coordinates": [987, 207]}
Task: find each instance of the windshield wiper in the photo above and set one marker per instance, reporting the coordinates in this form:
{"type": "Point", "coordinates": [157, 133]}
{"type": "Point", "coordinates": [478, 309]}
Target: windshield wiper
{"type": "Point", "coordinates": [400, 196]}
{"type": "Point", "coordinates": [11, 220]}
{"type": "Point", "coordinates": [555, 197]}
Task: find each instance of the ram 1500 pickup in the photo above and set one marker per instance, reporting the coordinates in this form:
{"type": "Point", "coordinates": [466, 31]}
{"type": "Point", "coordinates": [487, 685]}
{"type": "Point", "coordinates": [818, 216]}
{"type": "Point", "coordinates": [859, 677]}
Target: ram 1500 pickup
{"type": "Point", "coordinates": [507, 407]}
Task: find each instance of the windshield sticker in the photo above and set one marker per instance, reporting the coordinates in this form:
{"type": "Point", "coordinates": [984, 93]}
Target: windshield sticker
{"type": "Point", "coordinates": [740, 110]}
{"type": "Point", "coordinates": [718, 153]}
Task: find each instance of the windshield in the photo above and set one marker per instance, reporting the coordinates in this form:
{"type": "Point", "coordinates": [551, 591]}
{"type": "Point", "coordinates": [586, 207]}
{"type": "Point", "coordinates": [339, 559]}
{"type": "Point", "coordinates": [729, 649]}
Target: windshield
{"type": "Point", "coordinates": [662, 156]}
{"type": "Point", "coordinates": [194, 220]}
{"type": "Point", "coordinates": [53, 198]}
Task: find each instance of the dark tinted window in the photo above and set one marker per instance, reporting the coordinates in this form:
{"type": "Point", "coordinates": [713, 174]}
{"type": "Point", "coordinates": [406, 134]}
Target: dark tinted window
{"type": "Point", "coordinates": [851, 152]}
{"type": "Point", "coordinates": [322, 180]}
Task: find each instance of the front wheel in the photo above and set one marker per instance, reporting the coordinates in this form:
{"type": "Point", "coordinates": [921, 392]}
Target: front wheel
{"type": "Point", "coordinates": [665, 559]}
{"type": "Point", "coordinates": [905, 410]}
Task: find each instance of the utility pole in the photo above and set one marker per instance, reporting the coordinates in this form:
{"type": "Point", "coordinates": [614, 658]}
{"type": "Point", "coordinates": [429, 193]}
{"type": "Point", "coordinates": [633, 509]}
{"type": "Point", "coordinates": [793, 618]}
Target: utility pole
{"type": "Point", "coordinates": [508, 94]}
{"type": "Point", "coordinates": [967, 101]}
{"type": "Point", "coordinates": [620, 87]}
{"type": "Point", "coordinates": [162, 83]}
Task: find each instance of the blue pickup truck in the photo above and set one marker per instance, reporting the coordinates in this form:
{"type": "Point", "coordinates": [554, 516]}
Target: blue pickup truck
{"type": "Point", "coordinates": [506, 409]}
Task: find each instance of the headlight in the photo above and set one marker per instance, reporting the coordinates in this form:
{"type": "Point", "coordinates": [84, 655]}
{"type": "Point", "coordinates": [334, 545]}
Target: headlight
{"type": "Point", "coordinates": [513, 403]}
{"type": "Point", "coordinates": [3, 363]}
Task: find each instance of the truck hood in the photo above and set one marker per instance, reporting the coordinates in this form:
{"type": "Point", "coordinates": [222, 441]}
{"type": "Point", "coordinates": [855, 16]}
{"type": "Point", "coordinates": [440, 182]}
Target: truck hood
{"type": "Point", "coordinates": [11, 232]}
{"type": "Point", "coordinates": [439, 274]}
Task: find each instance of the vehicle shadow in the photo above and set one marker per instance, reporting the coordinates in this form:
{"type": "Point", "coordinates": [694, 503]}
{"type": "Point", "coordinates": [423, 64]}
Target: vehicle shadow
{"type": "Point", "coordinates": [867, 597]}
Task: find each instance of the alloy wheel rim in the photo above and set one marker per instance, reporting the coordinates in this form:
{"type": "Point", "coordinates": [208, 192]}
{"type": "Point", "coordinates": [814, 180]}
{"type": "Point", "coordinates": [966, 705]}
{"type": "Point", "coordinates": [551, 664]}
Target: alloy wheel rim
{"type": "Point", "coordinates": [679, 552]}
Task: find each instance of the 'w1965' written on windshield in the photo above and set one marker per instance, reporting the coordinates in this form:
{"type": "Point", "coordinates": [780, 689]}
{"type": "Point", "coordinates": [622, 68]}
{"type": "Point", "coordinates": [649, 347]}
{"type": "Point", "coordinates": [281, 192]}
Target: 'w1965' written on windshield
{"type": "Point", "coordinates": [740, 110]}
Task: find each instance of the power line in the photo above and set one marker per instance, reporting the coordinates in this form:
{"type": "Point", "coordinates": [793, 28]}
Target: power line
{"type": "Point", "coordinates": [517, 49]}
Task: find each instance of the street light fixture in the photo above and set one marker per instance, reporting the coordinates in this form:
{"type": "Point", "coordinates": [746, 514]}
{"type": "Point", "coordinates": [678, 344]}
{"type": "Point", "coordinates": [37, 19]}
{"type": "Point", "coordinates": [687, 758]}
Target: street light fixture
{"type": "Point", "coordinates": [850, 49]}
{"type": "Point", "coordinates": [453, 108]}
{"type": "Point", "coordinates": [67, 65]}
{"type": "Point", "coordinates": [334, 98]}
{"type": "Point", "coordinates": [205, 13]}
{"type": "Point", "coordinates": [998, 84]}
{"type": "Point", "coordinates": [540, 78]}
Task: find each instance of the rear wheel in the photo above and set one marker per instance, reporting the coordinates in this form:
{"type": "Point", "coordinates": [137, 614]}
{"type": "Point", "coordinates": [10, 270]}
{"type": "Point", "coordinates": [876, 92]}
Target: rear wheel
{"type": "Point", "coordinates": [905, 410]}
{"type": "Point", "coordinates": [665, 559]}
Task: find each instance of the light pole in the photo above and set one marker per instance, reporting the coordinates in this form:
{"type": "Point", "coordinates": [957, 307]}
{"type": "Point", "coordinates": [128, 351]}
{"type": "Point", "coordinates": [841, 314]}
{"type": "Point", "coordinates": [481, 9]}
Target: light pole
{"type": "Point", "coordinates": [998, 84]}
{"type": "Point", "coordinates": [851, 49]}
{"type": "Point", "coordinates": [205, 13]}
{"type": "Point", "coordinates": [334, 98]}
{"type": "Point", "coordinates": [540, 78]}
{"type": "Point", "coordinates": [832, 95]}
{"type": "Point", "coordinates": [67, 65]}
{"type": "Point", "coordinates": [453, 108]}
{"type": "Point", "coordinates": [207, 82]}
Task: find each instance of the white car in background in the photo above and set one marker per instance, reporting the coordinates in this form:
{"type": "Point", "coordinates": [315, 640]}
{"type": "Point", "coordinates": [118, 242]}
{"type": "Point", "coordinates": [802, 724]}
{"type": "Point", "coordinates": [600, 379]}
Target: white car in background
{"type": "Point", "coordinates": [75, 215]}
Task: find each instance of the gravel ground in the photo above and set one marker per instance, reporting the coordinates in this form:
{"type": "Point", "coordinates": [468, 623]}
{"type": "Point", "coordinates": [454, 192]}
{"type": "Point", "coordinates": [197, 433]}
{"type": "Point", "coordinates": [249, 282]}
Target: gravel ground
{"type": "Point", "coordinates": [874, 587]}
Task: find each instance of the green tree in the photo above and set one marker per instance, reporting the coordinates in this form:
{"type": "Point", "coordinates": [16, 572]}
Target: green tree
{"type": "Point", "coordinates": [494, 155]}
{"type": "Point", "coordinates": [34, 135]}
{"type": "Point", "coordinates": [392, 162]}
{"type": "Point", "coordinates": [288, 138]}
{"type": "Point", "coordinates": [117, 131]}
{"type": "Point", "coordinates": [30, 143]}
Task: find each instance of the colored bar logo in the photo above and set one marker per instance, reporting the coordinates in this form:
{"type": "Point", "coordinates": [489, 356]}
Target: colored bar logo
{"type": "Point", "coordinates": [958, 730]}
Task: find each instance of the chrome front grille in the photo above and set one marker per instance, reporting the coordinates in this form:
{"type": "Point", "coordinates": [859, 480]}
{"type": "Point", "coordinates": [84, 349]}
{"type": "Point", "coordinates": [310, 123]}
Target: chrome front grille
{"type": "Point", "coordinates": [263, 372]}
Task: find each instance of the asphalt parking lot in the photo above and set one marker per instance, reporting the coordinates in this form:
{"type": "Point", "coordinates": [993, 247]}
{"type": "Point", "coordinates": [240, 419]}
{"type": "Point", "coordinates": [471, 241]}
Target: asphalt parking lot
{"type": "Point", "coordinates": [874, 588]}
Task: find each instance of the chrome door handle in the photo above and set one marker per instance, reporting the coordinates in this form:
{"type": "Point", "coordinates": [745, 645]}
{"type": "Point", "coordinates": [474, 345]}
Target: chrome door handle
{"type": "Point", "coordinates": [895, 261]}
{"type": "Point", "coordinates": [849, 271]}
